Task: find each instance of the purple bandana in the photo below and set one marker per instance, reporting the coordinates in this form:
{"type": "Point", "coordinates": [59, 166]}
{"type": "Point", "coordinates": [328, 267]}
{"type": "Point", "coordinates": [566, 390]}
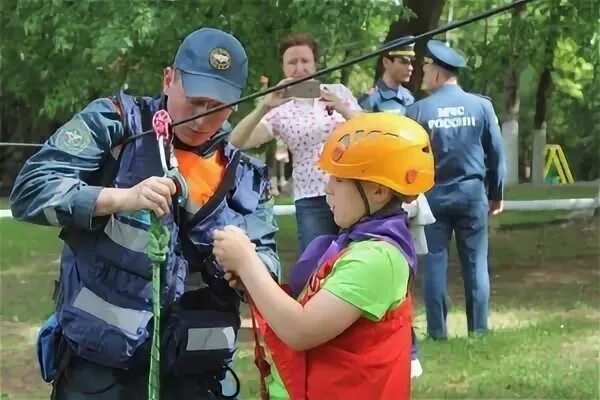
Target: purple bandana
{"type": "Point", "coordinates": [389, 224]}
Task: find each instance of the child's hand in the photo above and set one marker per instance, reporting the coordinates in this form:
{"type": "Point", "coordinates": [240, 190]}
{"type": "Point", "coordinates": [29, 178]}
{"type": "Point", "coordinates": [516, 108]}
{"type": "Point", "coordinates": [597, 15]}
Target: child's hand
{"type": "Point", "coordinates": [232, 248]}
{"type": "Point", "coordinates": [234, 281]}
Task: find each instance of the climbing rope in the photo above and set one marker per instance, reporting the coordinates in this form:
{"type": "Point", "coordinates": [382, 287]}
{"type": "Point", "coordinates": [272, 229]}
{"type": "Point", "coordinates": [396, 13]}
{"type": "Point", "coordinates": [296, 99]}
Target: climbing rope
{"type": "Point", "coordinates": [158, 247]}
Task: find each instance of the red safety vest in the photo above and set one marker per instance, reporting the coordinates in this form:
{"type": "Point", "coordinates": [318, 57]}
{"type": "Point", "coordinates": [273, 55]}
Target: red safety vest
{"type": "Point", "coordinates": [370, 360]}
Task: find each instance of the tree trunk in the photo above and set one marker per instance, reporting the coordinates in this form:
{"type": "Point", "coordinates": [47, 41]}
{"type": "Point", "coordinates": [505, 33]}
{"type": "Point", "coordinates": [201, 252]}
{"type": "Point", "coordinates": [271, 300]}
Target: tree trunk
{"type": "Point", "coordinates": [539, 122]}
{"type": "Point", "coordinates": [345, 77]}
{"type": "Point", "coordinates": [428, 14]}
{"type": "Point", "coordinates": [537, 162]}
{"type": "Point", "coordinates": [510, 125]}
{"type": "Point", "coordinates": [543, 97]}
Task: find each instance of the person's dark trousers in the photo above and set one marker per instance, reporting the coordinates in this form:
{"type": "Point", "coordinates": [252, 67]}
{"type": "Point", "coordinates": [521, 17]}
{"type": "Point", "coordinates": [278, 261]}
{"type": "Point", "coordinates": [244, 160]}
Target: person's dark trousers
{"type": "Point", "coordinates": [469, 222]}
{"type": "Point", "coordinates": [84, 380]}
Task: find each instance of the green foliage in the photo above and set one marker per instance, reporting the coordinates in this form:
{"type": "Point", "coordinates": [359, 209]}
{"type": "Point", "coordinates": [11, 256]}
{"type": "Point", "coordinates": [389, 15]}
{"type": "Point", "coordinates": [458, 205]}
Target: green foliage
{"type": "Point", "coordinates": [488, 46]}
{"type": "Point", "coordinates": [57, 55]}
{"type": "Point", "coordinates": [63, 53]}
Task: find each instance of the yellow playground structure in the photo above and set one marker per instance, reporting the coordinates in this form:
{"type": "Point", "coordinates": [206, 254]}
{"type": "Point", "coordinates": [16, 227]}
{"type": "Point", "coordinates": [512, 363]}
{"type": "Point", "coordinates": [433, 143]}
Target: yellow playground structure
{"type": "Point", "coordinates": [554, 156]}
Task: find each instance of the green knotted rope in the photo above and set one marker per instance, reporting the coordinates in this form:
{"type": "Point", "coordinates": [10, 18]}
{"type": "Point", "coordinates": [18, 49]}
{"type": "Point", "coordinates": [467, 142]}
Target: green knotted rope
{"type": "Point", "coordinates": [158, 247]}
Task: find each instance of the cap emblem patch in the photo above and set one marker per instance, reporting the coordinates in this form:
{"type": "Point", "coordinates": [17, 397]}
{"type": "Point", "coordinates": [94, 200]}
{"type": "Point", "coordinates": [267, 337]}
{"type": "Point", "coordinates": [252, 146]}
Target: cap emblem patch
{"type": "Point", "coordinates": [219, 58]}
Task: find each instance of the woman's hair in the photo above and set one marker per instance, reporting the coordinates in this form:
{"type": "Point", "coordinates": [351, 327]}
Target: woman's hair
{"type": "Point", "coordinates": [299, 39]}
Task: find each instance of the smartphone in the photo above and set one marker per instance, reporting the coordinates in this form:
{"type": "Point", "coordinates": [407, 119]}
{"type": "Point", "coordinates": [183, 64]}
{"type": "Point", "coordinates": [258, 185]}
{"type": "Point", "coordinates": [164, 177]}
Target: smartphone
{"type": "Point", "coordinates": [305, 90]}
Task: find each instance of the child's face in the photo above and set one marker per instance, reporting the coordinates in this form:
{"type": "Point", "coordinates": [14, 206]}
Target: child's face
{"type": "Point", "coordinates": [347, 204]}
{"type": "Point", "coordinates": [345, 201]}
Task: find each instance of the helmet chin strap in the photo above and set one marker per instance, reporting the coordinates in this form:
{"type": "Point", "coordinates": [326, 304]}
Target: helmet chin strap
{"type": "Point", "coordinates": [363, 195]}
{"type": "Point", "coordinates": [205, 149]}
{"type": "Point", "coordinates": [389, 206]}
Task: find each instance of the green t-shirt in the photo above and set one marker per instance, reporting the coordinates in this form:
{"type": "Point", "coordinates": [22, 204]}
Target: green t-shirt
{"type": "Point", "coordinates": [372, 276]}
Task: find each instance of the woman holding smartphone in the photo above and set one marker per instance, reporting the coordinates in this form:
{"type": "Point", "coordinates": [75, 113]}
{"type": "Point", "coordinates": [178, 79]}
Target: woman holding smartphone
{"type": "Point", "coordinates": [303, 124]}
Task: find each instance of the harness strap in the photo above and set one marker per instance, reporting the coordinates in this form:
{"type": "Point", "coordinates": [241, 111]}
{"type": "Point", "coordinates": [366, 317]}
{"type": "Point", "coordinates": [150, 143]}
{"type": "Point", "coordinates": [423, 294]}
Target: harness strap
{"type": "Point", "coordinates": [227, 183]}
{"type": "Point", "coordinates": [207, 148]}
{"type": "Point", "coordinates": [63, 348]}
{"type": "Point", "coordinates": [260, 361]}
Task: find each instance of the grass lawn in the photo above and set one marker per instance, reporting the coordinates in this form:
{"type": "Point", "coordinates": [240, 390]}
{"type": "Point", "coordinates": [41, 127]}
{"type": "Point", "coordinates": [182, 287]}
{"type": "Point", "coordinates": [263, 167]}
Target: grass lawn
{"type": "Point", "coordinates": [544, 312]}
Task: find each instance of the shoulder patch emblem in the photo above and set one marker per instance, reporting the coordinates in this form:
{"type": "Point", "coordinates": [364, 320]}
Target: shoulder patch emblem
{"type": "Point", "coordinates": [73, 137]}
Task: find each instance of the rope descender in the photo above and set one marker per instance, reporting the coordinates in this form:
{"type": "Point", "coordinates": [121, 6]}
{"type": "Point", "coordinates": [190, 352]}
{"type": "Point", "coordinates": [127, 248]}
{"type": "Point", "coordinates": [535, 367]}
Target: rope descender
{"type": "Point", "coordinates": [161, 123]}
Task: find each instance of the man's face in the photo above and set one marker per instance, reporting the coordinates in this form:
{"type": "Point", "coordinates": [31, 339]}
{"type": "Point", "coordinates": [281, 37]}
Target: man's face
{"type": "Point", "coordinates": [398, 68]}
{"type": "Point", "coordinates": [179, 106]}
{"type": "Point", "coordinates": [430, 76]}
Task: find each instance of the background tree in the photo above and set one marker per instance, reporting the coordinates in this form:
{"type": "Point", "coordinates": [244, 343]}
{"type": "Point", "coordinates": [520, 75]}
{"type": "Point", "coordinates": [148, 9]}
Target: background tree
{"type": "Point", "coordinates": [57, 55]}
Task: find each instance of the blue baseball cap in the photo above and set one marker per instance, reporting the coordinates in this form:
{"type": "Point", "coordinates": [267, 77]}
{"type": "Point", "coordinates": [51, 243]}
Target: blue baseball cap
{"type": "Point", "coordinates": [445, 56]}
{"type": "Point", "coordinates": [213, 64]}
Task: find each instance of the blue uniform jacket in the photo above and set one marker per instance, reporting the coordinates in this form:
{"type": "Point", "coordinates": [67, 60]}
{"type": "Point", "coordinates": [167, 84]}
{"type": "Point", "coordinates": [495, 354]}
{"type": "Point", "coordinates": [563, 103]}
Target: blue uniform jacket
{"type": "Point", "coordinates": [103, 299]}
{"type": "Point", "coordinates": [59, 185]}
{"type": "Point", "coordinates": [466, 143]}
{"type": "Point", "coordinates": [383, 98]}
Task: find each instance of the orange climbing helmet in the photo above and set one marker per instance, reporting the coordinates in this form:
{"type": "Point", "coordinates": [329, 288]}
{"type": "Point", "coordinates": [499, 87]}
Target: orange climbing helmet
{"type": "Point", "coordinates": [386, 148]}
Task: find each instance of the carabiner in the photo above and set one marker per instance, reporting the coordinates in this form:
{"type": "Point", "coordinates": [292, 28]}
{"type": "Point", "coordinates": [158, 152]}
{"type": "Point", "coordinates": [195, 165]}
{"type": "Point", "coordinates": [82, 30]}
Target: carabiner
{"type": "Point", "coordinates": [161, 122]}
{"type": "Point", "coordinates": [163, 157]}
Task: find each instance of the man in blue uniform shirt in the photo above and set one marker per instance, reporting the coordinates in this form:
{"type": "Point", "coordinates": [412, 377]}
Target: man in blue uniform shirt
{"type": "Point", "coordinates": [470, 168]}
{"type": "Point", "coordinates": [389, 94]}
{"type": "Point", "coordinates": [99, 178]}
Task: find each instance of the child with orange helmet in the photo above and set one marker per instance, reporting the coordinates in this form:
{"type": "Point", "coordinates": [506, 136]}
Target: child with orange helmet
{"type": "Point", "coordinates": [342, 328]}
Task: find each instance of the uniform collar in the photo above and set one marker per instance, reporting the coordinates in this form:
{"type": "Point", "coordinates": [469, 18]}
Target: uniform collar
{"type": "Point", "coordinates": [386, 92]}
{"type": "Point", "coordinates": [448, 87]}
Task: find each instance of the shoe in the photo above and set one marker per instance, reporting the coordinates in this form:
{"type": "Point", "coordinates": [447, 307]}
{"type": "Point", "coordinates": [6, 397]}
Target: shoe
{"type": "Point", "coordinates": [416, 370]}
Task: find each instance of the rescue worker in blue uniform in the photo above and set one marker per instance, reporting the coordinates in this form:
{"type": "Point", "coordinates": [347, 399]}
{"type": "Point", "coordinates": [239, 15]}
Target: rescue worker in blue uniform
{"type": "Point", "coordinates": [98, 178]}
{"type": "Point", "coordinates": [390, 96]}
{"type": "Point", "coordinates": [470, 171]}
{"type": "Point", "coordinates": [388, 93]}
